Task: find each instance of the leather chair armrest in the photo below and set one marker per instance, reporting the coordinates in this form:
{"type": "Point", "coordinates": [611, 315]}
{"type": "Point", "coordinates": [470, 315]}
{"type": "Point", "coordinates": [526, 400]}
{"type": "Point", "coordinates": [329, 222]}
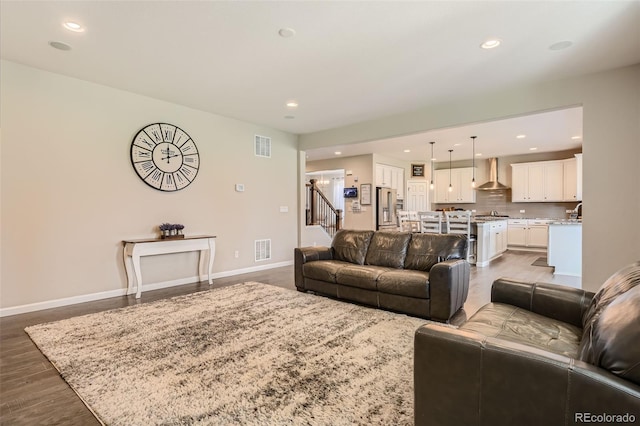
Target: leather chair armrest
{"type": "Point", "coordinates": [448, 287]}
{"type": "Point", "coordinates": [302, 255]}
{"type": "Point", "coordinates": [466, 378]}
{"type": "Point", "coordinates": [562, 303]}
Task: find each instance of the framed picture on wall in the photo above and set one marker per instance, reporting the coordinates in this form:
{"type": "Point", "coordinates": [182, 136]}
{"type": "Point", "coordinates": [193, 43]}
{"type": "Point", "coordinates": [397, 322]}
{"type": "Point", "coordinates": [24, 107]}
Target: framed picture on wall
{"type": "Point", "coordinates": [365, 194]}
{"type": "Point", "coordinates": [417, 170]}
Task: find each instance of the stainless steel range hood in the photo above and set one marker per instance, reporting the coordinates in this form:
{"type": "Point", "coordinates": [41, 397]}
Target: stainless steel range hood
{"type": "Point", "coordinates": [493, 184]}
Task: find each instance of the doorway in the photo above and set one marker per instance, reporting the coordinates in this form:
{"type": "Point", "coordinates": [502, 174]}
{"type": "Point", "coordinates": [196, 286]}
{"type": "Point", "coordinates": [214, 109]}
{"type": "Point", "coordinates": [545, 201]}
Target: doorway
{"type": "Point", "coordinates": [417, 196]}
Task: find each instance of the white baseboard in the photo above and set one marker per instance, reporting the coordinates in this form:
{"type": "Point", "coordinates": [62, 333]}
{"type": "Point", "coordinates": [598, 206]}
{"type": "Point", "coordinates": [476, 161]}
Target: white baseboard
{"type": "Point", "coordinates": [56, 303]}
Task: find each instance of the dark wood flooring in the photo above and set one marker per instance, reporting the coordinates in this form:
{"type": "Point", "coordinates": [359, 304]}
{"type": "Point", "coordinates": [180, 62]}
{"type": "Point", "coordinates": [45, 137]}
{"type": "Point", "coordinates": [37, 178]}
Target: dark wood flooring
{"type": "Point", "coordinates": [33, 393]}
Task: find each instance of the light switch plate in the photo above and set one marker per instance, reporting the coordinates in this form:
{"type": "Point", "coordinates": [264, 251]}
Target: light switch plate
{"type": "Point", "coordinates": [284, 209]}
{"type": "Point", "coordinates": [239, 187]}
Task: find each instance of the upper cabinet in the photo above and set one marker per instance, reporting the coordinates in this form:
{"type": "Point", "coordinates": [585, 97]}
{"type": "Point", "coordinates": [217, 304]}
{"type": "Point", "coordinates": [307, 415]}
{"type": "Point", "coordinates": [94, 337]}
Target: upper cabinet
{"type": "Point", "coordinates": [573, 178]}
{"type": "Point", "coordinates": [390, 177]}
{"type": "Point", "coordinates": [546, 181]}
{"type": "Point", "coordinates": [462, 191]}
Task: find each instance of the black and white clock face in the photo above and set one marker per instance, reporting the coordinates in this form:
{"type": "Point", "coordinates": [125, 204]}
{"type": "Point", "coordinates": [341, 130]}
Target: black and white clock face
{"type": "Point", "coordinates": [165, 157]}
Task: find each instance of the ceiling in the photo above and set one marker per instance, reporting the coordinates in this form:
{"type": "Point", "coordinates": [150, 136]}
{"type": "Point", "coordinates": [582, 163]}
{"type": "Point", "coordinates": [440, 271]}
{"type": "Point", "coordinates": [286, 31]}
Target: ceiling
{"type": "Point", "coordinates": [558, 130]}
{"type": "Point", "coordinates": [348, 62]}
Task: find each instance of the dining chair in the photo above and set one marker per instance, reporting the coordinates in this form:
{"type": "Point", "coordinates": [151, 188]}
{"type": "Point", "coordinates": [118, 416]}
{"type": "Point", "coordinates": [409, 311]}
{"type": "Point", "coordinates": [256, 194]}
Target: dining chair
{"type": "Point", "coordinates": [430, 222]}
{"type": "Point", "coordinates": [459, 222]}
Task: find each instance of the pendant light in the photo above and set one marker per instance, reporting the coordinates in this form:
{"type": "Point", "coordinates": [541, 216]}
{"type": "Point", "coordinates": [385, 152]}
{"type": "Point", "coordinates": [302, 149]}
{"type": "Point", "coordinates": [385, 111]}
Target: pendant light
{"type": "Point", "coordinates": [450, 187]}
{"type": "Point", "coordinates": [431, 184]}
{"type": "Point", "coordinates": [473, 160]}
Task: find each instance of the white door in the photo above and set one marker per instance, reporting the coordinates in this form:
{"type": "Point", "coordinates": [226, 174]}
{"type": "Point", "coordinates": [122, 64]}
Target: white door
{"type": "Point", "coordinates": [417, 196]}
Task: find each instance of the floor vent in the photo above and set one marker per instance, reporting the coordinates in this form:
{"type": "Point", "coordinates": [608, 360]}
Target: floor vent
{"type": "Point", "coordinates": [262, 146]}
{"type": "Point", "coordinates": [263, 250]}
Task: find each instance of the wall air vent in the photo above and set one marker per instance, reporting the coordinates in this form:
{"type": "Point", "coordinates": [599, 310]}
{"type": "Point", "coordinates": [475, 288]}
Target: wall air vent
{"type": "Point", "coordinates": [263, 250]}
{"type": "Point", "coordinates": [262, 146]}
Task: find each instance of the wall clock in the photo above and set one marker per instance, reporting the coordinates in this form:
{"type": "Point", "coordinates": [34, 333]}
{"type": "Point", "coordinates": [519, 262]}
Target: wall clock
{"type": "Point", "coordinates": [165, 157]}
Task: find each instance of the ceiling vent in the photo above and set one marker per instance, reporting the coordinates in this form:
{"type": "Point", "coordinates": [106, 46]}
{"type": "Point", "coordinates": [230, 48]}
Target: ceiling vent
{"type": "Point", "coordinates": [262, 146]}
{"type": "Point", "coordinates": [263, 250]}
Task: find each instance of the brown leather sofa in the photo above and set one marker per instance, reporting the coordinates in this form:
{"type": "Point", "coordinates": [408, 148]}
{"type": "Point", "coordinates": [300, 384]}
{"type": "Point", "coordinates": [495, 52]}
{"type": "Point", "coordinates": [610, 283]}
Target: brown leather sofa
{"type": "Point", "coordinates": [538, 354]}
{"type": "Point", "coordinates": [423, 275]}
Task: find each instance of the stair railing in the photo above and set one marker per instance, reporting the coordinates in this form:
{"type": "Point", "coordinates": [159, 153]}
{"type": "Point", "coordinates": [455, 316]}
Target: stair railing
{"type": "Point", "coordinates": [320, 211]}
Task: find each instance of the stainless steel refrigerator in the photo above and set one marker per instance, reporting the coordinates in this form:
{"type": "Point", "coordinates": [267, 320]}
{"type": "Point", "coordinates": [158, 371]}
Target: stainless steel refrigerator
{"type": "Point", "coordinates": [386, 199]}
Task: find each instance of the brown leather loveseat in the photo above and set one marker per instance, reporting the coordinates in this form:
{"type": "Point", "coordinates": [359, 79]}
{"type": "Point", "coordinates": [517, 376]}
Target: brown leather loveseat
{"type": "Point", "coordinates": [423, 275]}
{"type": "Point", "coordinates": [538, 354]}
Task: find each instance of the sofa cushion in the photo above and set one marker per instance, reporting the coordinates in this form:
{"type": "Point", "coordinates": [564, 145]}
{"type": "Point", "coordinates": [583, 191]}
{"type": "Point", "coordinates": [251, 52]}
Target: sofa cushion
{"type": "Point", "coordinates": [388, 249]}
{"type": "Point", "coordinates": [351, 246]}
{"type": "Point", "coordinates": [324, 270]}
{"type": "Point", "coordinates": [405, 283]}
{"type": "Point", "coordinates": [618, 284]}
{"type": "Point", "coordinates": [612, 330]}
{"type": "Point", "coordinates": [360, 276]}
{"type": "Point", "coordinates": [425, 250]}
{"type": "Point", "coordinates": [519, 325]}
{"type": "Point", "coordinates": [615, 343]}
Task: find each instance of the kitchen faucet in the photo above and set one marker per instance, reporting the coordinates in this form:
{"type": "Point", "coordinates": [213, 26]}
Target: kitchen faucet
{"type": "Point", "coordinates": [575, 213]}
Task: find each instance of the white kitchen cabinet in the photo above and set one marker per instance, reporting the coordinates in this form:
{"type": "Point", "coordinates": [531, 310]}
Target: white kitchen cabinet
{"type": "Point", "coordinates": [537, 235]}
{"type": "Point", "coordinates": [540, 181]}
{"type": "Point", "coordinates": [528, 234]}
{"type": "Point", "coordinates": [553, 172]}
{"type": "Point", "coordinates": [462, 191]}
{"type": "Point", "coordinates": [573, 179]}
{"type": "Point", "coordinates": [397, 174]}
{"type": "Point", "coordinates": [579, 175]}
{"type": "Point", "coordinates": [517, 232]}
{"type": "Point", "coordinates": [491, 241]}
{"type": "Point", "coordinates": [497, 238]}
{"type": "Point", "coordinates": [390, 177]}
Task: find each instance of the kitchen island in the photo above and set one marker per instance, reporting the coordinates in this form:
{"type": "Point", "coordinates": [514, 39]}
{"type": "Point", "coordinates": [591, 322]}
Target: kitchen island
{"type": "Point", "coordinates": [565, 247]}
{"type": "Point", "coordinates": [491, 236]}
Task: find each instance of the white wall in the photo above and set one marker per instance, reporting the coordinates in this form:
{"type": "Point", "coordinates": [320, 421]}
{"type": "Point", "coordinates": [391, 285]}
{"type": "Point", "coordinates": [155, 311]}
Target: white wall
{"type": "Point", "coordinates": [611, 147]}
{"type": "Point", "coordinates": [70, 195]}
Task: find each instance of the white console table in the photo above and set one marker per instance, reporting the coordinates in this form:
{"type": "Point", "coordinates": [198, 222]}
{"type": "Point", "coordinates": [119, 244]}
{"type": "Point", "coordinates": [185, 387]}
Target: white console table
{"type": "Point", "coordinates": [135, 249]}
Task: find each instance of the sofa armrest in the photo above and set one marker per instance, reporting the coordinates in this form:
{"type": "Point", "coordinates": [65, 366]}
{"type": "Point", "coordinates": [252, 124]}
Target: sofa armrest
{"type": "Point", "coordinates": [562, 303]}
{"type": "Point", "coordinates": [462, 378]}
{"type": "Point", "coordinates": [448, 287]}
{"type": "Point", "coordinates": [302, 255]}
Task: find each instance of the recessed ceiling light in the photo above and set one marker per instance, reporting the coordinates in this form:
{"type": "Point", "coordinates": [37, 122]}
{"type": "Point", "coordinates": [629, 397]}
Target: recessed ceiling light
{"type": "Point", "coordinates": [59, 45]}
{"type": "Point", "coordinates": [338, 153]}
{"type": "Point", "coordinates": [521, 136]}
{"type": "Point", "coordinates": [479, 154]}
{"type": "Point", "coordinates": [292, 104]}
{"type": "Point", "coordinates": [287, 32]}
{"type": "Point", "coordinates": [491, 43]}
{"type": "Point", "coordinates": [407, 150]}
{"type": "Point", "coordinates": [532, 148]}
{"type": "Point", "coordinates": [73, 26]}
{"type": "Point", "coordinates": [576, 137]}
{"type": "Point", "coordinates": [457, 144]}
{"type": "Point", "coordinates": [289, 117]}
{"type": "Point", "coordinates": [561, 45]}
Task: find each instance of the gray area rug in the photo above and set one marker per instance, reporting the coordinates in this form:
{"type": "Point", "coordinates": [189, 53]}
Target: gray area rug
{"type": "Point", "coordinates": [249, 354]}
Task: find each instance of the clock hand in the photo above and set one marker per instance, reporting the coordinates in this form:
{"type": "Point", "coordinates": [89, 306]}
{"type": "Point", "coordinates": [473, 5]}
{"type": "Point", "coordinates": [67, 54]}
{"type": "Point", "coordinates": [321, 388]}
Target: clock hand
{"type": "Point", "coordinates": [170, 156]}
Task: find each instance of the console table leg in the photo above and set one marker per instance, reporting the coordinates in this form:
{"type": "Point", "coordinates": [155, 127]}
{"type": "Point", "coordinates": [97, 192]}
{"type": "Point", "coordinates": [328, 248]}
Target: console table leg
{"type": "Point", "coordinates": [212, 255]}
{"type": "Point", "coordinates": [126, 254]}
{"type": "Point", "coordinates": [136, 268]}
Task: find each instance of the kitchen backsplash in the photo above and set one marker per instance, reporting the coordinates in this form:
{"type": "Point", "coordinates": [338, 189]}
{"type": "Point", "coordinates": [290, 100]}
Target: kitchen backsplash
{"type": "Point", "coordinates": [500, 201]}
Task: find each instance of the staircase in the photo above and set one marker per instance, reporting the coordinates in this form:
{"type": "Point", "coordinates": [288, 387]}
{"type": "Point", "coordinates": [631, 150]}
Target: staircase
{"type": "Point", "coordinates": [320, 211]}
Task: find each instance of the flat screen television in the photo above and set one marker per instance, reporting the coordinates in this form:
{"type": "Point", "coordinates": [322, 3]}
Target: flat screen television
{"type": "Point", "coordinates": [351, 193]}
